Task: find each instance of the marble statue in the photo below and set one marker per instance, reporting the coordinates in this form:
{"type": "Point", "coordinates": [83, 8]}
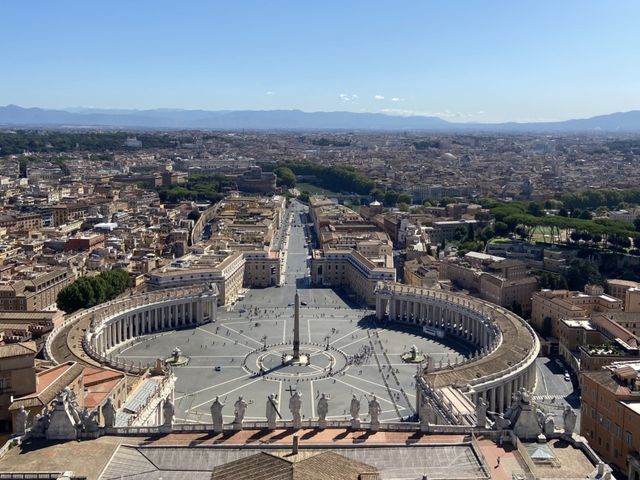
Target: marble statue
{"type": "Point", "coordinates": [501, 422]}
{"type": "Point", "coordinates": [109, 413]}
{"type": "Point", "coordinates": [40, 424]}
{"type": "Point", "coordinates": [216, 414]}
{"type": "Point", "coordinates": [21, 421]}
{"type": "Point", "coordinates": [272, 411]}
{"type": "Point", "coordinates": [540, 415]}
{"type": "Point", "coordinates": [295, 403]}
{"type": "Point", "coordinates": [88, 421]}
{"type": "Point", "coordinates": [323, 409]}
{"type": "Point", "coordinates": [240, 409]}
{"type": "Point", "coordinates": [374, 413]}
{"type": "Point", "coordinates": [549, 425]}
{"type": "Point", "coordinates": [569, 419]}
{"type": "Point", "coordinates": [481, 412]}
{"type": "Point", "coordinates": [62, 423]}
{"type": "Point", "coordinates": [167, 412]}
{"type": "Point", "coordinates": [354, 410]}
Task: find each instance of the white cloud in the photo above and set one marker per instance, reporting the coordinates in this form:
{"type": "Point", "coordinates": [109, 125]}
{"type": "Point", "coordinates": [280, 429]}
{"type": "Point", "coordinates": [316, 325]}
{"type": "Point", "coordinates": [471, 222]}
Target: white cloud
{"type": "Point", "coordinates": [396, 99]}
{"type": "Point", "coordinates": [442, 114]}
{"type": "Point", "coordinates": [270, 93]}
{"type": "Point", "coordinates": [346, 98]}
{"type": "Point", "coordinates": [378, 97]}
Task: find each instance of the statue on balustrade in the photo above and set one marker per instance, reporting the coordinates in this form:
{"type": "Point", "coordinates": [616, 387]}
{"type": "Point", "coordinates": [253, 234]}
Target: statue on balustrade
{"type": "Point", "coordinates": [569, 418]}
{"type": "Point", "coordinates": [323, 409]}
{"type": "Point", "coordinates": [272, 411]}
{"type": "Point", "coordinates": [109, 413]}
{"type": "Point", "coordinates": [240, 410]}
{"type": "Point", "coordinates": [374, 412]}
{"type": "Point", "coordinates": [216, 414]}
{"type": "Point", "coordinates": [295, 404]}
{"type": "Point", "coordinates": [168, 412]}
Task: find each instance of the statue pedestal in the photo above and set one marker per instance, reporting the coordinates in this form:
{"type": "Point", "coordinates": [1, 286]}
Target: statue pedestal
{"type": "Point", "coordinates": [297, 423]}
{"type": "Point", "coordinates": [218, 427]}
{"type": "Point", "coordinates": [374, 426]}
{"type": "Point", "coordinates": [355, 424]}
{"type": "Point", "coordinates": [271, 424]}
{"type": "Point", "coordinates": [237, 426]}
{"type": "Point", "coordinates": [424, 425]}
{"type": "Point", "coordinates": [322, 424]}
{"type": "Point", "coordinates": [165, 429]}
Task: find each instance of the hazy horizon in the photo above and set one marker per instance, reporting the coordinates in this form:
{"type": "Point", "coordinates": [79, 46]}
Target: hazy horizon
{"type": "Point", "coordinates": [493, 61]}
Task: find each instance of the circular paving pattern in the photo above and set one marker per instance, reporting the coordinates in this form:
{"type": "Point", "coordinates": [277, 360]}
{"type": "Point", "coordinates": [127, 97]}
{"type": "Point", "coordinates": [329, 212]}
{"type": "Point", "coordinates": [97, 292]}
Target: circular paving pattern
{"type": "Point", "coordinates": [274, 362]}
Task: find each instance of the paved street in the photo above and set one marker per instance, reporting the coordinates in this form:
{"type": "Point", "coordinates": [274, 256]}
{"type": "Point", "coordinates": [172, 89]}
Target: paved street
{"type": "Point", "coordinates": [553, 392]}
{"type": "Point", "coordinates": [235, 342]}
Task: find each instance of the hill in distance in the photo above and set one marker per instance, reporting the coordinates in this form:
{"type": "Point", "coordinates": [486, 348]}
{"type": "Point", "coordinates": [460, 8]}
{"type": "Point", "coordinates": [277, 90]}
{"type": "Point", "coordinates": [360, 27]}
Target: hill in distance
{"type": "Point", "coordinates": [15, 116]}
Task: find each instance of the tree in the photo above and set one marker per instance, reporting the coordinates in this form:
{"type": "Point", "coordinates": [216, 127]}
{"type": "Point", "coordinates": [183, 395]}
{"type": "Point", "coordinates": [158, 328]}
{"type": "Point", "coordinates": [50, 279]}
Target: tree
{"type": "Point", "coordinates": [86, 292]}
{"type": "Point", "coordinates": [501, 229]}
{"type": "Point", "coordinates": [534, 209]}
{"type": "Point", "coordinates": [404, 198]}
{"type": "Point", "coordinates": [304, 196]}
{"type": "Point", "coordinates": [286, 177]}
{"type": "Point", "coordinates": [460, 233]}
{"type": "Point", "coordinates": [377, 194]}
{"type": "Point", "coordinates": [391, 198]}
{"type": "Point", "coordinates": [582, 272]}
{"type": "Point", "coordinates": [585, 215]}
{"type": "Point", "coordinates": [194, 215]}
{"type": "Point", "coordinates": [636, 224]}
{"type": "Point", "coordinates": [563, 212]}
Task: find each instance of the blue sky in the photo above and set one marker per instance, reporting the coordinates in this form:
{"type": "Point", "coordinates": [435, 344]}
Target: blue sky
{"type": "Point", "coordinates": [468, 60]}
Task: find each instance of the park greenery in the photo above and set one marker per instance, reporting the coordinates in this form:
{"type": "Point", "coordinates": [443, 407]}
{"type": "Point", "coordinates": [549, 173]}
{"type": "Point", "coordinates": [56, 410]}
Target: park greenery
{"type": "Point", "coordinates": [21, 141]}
{"type": "Point", "coordinates": [525, 219]}
{"type": "Point", "coordinates": [86, 292]}
{"type": "Point", "coordinates": [199, 187]}
{"type": "Point", "coordinates": [341, 179]}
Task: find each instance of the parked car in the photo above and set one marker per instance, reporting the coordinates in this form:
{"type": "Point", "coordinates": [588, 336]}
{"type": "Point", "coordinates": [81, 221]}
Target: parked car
{"type": "Point", "coordinates": [567, 377]}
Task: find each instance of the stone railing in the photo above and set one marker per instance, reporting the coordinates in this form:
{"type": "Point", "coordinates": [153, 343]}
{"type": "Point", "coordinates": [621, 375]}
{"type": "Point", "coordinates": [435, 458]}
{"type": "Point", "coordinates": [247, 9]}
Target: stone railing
{"type": "Point", "coordinates": [288, 424]}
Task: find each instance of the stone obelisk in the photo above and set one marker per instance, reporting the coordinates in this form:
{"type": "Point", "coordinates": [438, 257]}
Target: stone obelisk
{"type": "Point", "coordinates": [296, 329]}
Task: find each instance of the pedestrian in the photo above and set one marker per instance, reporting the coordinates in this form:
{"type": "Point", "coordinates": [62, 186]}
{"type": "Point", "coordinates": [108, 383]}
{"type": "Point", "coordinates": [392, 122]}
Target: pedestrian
{"type": "Point", "coordinates": [498, 464]}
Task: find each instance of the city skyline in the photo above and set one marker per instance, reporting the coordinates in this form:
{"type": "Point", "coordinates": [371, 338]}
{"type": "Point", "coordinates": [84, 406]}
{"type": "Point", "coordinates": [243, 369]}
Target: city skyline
{"type": "Point", "coordinates": [464, 63]}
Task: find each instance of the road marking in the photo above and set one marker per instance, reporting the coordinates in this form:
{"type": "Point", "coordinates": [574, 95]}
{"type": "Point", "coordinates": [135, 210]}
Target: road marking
{"type": "Point", "coordinates": [355, 341]}
{"type": "Point", "coordinates": [346, 335]}
{"type": "Point", "coordinates": [225, 338]}
{"type": "Point", "coordinates": [363, 391]}
{"type": "Point", "coordinates": [227, 393]}
{"type": "Point", "coordinates": [243, 335]}
{"type": "Point", "coordinates": [210, 387]}
{"type": "Point", "coordinates": [374, 383]}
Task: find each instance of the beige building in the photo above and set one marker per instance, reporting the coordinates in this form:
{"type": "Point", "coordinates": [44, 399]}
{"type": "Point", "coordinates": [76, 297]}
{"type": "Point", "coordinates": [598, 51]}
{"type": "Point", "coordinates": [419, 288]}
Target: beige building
{"type": "Point", "coordinates": [354, 253]}
{"type": "Point", "coordinates": [503, 282]}
{"type": "Point", "coordinates": [231, 272]}
{"type": "Point", "coordinates": [36, 291]}
{"type": "Point", "coordinates": [17, 377]}
{"type": "Point", "coordinates": [549, 306]}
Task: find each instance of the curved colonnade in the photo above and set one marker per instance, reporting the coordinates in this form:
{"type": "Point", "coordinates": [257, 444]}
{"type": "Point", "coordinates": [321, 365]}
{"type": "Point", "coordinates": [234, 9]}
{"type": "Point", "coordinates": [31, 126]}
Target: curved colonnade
{"type": "Point", "coordinates": [507, 346]}
{"type": "Point", "coordinates": [123, 322]}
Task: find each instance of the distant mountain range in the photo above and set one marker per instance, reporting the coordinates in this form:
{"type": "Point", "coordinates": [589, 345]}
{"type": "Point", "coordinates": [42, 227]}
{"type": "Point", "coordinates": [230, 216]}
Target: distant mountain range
{"type": "Point", "coordinates": [15, 116]}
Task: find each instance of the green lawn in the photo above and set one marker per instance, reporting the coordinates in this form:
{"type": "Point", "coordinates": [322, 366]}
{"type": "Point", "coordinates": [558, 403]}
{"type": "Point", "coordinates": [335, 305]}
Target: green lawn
{"type": "Point", "coordinates": [313, 189]}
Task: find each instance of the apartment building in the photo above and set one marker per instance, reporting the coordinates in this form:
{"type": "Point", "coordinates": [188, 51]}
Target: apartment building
{"type": "Point", "coordinates": [610, 415]}
{"type": "Point", "coordinates": [17, 377]}
{"type": "Point", "coordinates": [498, 280]}
{"type": "Point", "coordinates": [35, 290]}
{"type": "Point", "coordinates": [354, 253]}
